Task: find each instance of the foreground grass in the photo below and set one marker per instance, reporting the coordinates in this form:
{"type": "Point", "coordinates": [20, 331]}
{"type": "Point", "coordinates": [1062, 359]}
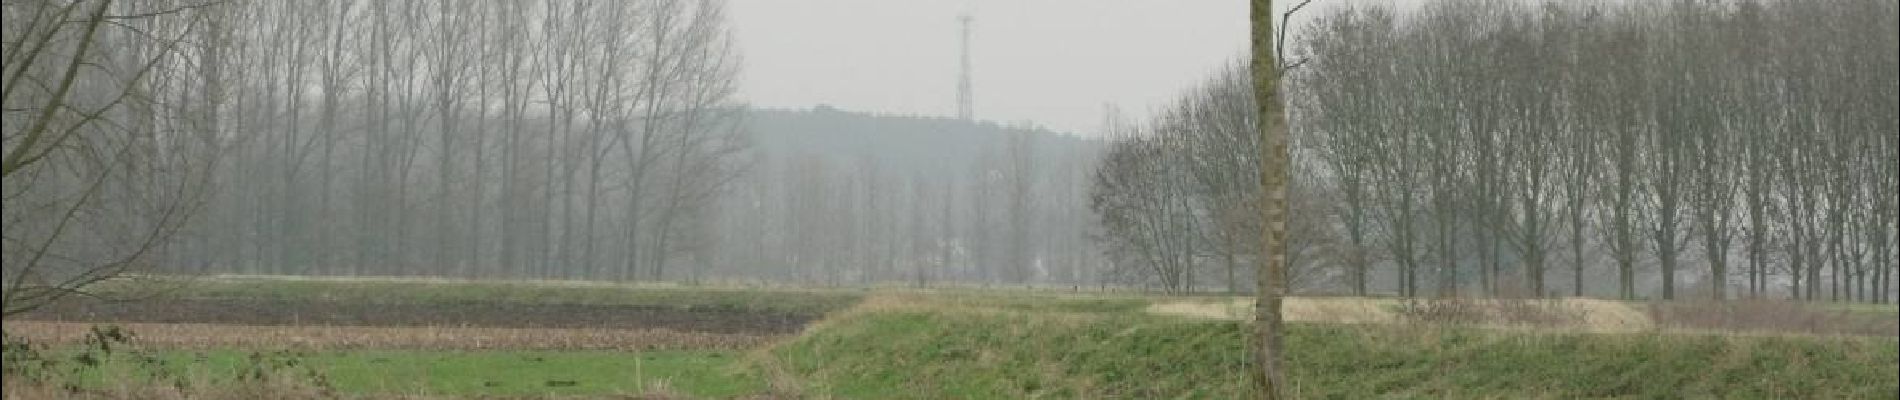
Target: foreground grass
{"type": "Point", "coordinates": [1005, 344]}
{"type": "Point", "coordinates": [323, 338]}
{"type": "Point", "coordinates": [958, 350]}
{"type": "Point", "coordinates": [708, 374]}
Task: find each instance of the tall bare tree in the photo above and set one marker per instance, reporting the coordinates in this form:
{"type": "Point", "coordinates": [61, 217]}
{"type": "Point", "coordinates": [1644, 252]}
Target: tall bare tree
{"type": "Point", "coordinates": [1275, 165]}
{"type": "Point", "coordinates": [110, 137]}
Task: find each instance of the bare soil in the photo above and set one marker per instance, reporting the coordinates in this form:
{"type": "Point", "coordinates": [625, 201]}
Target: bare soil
{"type": "Point", "coordinates": [485, 315]}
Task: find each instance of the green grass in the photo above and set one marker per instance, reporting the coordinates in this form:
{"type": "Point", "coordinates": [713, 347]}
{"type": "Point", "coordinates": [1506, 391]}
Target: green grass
{"type": "Point", "coordinates": [408, 292]}
{"type": "Point", "coordinates": [966, 352]}
{"type": "Point", "coordinates": [488, 373]}
{"type": "Point", "coordinates": [1011, 344]}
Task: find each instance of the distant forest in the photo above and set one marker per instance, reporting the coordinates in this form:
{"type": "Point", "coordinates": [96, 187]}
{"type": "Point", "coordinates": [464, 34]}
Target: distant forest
{"type": "Point", "coordinates": [1635, 149]}
{"type": "Point", "coordinates": [818, 196]}
{"type": "Point", "coordinates": [843, 197]}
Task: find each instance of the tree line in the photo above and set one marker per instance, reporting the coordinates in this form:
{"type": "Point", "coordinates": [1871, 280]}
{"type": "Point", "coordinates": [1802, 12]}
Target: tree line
{"type": "Point", "coordinates": [508, 139]}
{"type": "Point", "coordinates": [849, 198]}
{"type": "Point", "coordinates": [1499, 148]}
{"type": "Point", "coordinates": [479, 139]}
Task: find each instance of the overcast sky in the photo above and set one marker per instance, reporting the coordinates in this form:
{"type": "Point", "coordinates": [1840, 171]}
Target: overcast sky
{"type": "Point", "coordinates": [1055, 63]}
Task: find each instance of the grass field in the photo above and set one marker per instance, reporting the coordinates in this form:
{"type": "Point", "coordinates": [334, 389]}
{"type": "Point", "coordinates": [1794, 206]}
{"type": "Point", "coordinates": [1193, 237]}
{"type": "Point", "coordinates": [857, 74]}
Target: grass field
{"type": "Point", "coordinates": [694, 373]}
{"type": "Point", "coordinates": [431, 291]}
{"type": "Point", "coordinates": [498, 372]}
{"type": "Point", "coordinates": [916, 347]}
{"type": "Point", "coordinates": [958, 344]}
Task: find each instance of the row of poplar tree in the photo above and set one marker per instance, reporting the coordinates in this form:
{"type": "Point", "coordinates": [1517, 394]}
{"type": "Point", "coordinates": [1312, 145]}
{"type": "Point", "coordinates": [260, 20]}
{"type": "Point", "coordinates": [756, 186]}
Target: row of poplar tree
{"type": "Point", "coordinates": [1640, 149]}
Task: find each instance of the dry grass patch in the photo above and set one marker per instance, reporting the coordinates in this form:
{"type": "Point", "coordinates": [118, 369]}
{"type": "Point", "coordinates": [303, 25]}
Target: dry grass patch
{"type": "Point", "coordinates": [1227, 310]}
{"type": "Point", "coordinates": [1735, 317]}
{"type": "Point", "coordinates": [1608, 316]}
{"type": "Point", "coordinates": [1580, 314]}
{"type": "Point", "coordinates": [1336, 310]}
{"type": "Point", "coordinates": [1351, 310]}
{"type": "Point", "coordinates": [215, 336]}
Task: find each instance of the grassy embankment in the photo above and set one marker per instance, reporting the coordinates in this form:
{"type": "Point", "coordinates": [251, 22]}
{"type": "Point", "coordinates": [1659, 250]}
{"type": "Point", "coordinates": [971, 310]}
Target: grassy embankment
{"type": "Point", "coordinates": [912, 347]}
{"type": "Point", "coordinates": [975, 344]}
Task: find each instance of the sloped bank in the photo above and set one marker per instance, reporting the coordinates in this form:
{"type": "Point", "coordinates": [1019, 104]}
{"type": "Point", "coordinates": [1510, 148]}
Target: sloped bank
{"type": "Point", "coordinates": [919, 347]}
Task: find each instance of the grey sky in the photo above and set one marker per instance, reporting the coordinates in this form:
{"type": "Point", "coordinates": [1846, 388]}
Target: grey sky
{"type": "Point", "coordinates": [1051, 62]}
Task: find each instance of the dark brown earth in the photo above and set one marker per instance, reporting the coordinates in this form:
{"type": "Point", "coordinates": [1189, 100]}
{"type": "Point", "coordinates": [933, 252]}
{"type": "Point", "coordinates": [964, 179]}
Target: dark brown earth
{"type": "Point", "coordinates": [489, 315]}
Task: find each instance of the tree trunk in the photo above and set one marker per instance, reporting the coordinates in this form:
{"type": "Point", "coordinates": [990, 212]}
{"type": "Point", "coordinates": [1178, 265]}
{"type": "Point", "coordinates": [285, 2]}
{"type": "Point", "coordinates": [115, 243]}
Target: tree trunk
{"type": "Point", "coordinates": [1269, 374]}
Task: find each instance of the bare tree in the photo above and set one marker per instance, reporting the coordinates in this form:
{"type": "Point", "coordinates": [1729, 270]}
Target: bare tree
{"type": "Point", "coordinates": [1148, 225]}
{"type": "Point", "coordinates": [1275, 165]}
{"type": "Point", "coordinates": [1020, 178]}
{"type": "Point", "coordinates": [110, 133]}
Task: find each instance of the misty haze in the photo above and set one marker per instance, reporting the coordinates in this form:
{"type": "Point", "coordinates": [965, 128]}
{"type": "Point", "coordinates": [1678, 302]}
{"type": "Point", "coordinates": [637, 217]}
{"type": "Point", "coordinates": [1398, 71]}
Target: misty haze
{"type": "Point", "coordinates": [972, 199]}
